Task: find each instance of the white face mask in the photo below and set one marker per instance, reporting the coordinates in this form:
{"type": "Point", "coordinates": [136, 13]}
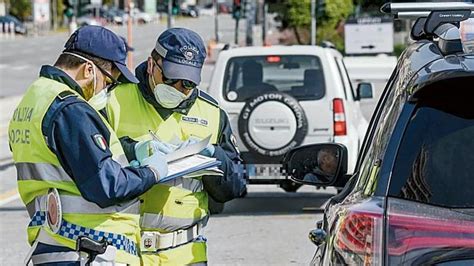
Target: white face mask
{"type": "Point", "coordinates": [99, 100]}
{"type": "Point", "coordinates": [167, 96]}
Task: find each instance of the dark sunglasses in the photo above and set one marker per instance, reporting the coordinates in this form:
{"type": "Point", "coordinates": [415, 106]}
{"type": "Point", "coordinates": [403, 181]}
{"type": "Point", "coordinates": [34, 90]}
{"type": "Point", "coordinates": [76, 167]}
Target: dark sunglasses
{"type": "Point", "coordinates": [112, 83]}
{"type": "Point", "coordinates": [189, 85]}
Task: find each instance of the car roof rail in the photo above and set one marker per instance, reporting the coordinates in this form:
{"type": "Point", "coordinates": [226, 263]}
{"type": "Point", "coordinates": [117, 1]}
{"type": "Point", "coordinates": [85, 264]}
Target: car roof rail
{"type": "Point", "coordinates": [229, 46]}
{"type": "Point", "coordinates": [438, 22]}
{"type": "Point", "coordinates": [328, 44]}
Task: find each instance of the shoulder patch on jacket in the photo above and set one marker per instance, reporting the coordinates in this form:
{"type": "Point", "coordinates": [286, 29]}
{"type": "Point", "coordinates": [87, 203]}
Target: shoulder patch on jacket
{"type": "Point", "coordinates": [208, 98]}
{"type": "Point", "coordinates": [66, 94]}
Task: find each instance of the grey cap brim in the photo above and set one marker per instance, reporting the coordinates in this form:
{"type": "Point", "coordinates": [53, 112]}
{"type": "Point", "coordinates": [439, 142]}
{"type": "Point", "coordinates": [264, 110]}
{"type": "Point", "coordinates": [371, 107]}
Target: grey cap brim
{"type": "Point", "coordinates": [179, 71]}
{"type": "Point", "coordinates": [126, 73]}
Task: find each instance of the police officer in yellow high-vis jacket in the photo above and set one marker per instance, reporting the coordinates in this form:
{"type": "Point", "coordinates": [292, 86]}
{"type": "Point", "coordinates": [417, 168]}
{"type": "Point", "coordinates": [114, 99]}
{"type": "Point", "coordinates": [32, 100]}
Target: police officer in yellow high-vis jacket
{"type": "Point", "coordinates": [72, 171]}
{"type": "Point", "coordinates": [168, 103]}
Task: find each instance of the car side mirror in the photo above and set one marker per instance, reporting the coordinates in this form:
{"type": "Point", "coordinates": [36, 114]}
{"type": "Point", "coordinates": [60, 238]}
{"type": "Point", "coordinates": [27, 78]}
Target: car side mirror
{"type": "Point", "coordinates": [365, 90]}
{"type": "Point", "coordinates": [317, 164]}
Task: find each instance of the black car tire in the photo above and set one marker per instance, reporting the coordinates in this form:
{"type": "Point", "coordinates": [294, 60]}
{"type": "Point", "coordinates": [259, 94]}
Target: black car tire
{"type": "Point", "coordinates": [285, 99]}
{"type": "Point", "coordinates": [290, 186]}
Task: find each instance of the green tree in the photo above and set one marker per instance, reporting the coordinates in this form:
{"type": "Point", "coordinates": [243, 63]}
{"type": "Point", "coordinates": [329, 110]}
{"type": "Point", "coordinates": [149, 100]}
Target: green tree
{"type": "Point", "coordinates": [296, 15]}
{"type": "Point", "coordinates": [335, 13]}
{"type": "Point", "coordinates": [20, 8]}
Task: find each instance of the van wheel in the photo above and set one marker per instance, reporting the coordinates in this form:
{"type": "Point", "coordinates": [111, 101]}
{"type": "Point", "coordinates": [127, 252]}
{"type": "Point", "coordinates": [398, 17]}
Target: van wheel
{"type": "Point", "coordinates": [215, 207]}
{"type": "Point", "coordinates": [290, 186]}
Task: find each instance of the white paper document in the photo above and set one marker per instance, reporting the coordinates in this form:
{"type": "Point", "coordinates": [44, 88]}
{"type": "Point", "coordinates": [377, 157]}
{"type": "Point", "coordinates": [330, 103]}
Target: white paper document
{"type": "Point", "coordinates": [188, 150]}
{"type": "Point", "coordinates": [188, 163]}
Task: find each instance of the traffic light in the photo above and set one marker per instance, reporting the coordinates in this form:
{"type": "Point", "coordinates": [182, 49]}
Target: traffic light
{"type": "Point", "coordinates": [175, 8]}
{"type": "Point", "coordinates": [237, 9]}
{"type": "Point", "coordinates": [320, 8]}
{"type": "Point", "coordinates": [68, 10]}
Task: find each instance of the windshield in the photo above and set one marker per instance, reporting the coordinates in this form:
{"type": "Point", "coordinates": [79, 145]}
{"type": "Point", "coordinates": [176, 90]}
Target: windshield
{"type": "Point", "coordinates": [435, 162]}
{"type": "Point", "coordinates": [300, 76]}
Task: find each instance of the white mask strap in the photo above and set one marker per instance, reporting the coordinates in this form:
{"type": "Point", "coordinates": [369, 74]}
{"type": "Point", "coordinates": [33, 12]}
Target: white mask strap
{"type": "Point", "coordinates": [93, 68]}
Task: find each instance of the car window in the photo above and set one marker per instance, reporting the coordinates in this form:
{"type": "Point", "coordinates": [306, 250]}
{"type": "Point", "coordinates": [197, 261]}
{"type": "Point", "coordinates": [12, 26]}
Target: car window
{"type": "Point", "coordinates": [379, 137]}
{"type": "Point", "coordinates": [374, 120]}
{"type": "Point", "coordinates": [434, 163]}
{"type": "Point", "coordinates": [300, 76]}
{"type": "Point", "coordinates": [342, 77]}
{"type": "Point", "coordinates": [343, 70]}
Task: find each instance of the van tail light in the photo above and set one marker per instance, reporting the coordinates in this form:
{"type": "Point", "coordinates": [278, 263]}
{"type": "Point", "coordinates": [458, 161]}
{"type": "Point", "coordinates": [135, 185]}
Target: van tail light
{"type": "Point", "coordinates": [359, 238]}
{"type": "Point", "coordinates": [340, 128]}
{"type": "Point", "coordinates": [420, 228]}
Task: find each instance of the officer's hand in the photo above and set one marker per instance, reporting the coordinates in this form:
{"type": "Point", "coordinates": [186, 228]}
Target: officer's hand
{"type": "Point", "coordinates": [144, 149]}
{"type": "Point", "coordinates": [208, 151]}
{"type": "Point", "coordinates": [157, 163]}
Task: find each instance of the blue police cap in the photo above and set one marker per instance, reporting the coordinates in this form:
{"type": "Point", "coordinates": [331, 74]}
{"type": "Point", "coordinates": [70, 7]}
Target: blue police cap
{"type": "Point", "coordinates": [183, 54]}
{"type": "Point", "coordinates": [100, 42]}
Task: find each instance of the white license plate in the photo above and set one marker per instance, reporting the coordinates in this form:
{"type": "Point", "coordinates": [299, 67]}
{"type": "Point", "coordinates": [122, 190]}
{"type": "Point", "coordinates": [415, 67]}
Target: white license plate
{"type": "Point", "coordinates": [265, 171]}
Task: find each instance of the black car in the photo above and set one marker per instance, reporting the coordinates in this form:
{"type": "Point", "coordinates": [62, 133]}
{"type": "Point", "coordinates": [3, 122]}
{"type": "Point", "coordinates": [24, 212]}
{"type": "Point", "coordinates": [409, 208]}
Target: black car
{"type": "Point", "coordinates": [18, 25]}
{"type": "Point", "coordinates": [190, 11]}
{"type": "Point", "coordinates": [411, 198]}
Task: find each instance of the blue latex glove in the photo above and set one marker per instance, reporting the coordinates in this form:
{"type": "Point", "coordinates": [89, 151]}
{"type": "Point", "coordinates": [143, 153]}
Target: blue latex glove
{"type": "Point", "coordinates": [157, 163]}
{"type": "Point", "coordinates": [208, 151]}
{"type": "Point", "coordinates": [144, 149]}
{"type": "Point", "coordinates": [135, 164]}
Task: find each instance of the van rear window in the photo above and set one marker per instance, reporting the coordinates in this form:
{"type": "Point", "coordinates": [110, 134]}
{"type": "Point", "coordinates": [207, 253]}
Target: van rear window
{"type": "Point", "coordinates": [435, 161]}
{"type": "Point", "coordinates": [300, 76]}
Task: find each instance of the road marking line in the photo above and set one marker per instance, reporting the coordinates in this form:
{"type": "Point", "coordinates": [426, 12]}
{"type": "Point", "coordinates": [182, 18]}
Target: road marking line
{"type": "Point", "coordinates": [9, 196]}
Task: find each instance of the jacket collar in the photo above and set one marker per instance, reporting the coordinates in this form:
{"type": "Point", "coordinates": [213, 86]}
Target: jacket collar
{"type": "Point", "coordinates": [146, 91]}
{"type": "Point", "coordinates": [58, 75]}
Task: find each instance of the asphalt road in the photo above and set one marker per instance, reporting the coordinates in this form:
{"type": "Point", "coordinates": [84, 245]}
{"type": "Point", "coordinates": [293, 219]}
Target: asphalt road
{"type": "Point", "coordinates": [268, 227]}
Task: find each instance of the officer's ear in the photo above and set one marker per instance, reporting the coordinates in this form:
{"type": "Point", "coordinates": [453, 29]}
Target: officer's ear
{"type": "Point", "coordinates": [150, 66]}
{"type": "Point", "coordinates": [87, 70]}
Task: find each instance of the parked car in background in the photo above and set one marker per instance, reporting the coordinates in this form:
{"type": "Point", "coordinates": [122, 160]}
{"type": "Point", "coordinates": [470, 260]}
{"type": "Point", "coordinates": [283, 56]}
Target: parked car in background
{"type": "Point", "coordinates": [141, 17]}
{"type": "Point", "coordinates": [115, 16]}
{"type": "Point", "coordinates": [207, 10]}
{"type": "Point", "coordinates": [189, 11]}
{"type": "Point", "coordinates": [410, 200]}
{"type": "Point", "coordinates": [91, 20]}
{"type": "Point", "coordinates": [19, 27]}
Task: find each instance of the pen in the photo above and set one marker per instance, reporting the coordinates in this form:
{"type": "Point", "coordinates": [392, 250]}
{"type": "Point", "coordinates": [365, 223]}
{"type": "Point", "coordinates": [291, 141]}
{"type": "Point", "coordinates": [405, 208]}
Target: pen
{"type": "Point", "coordinates": [154, 136]}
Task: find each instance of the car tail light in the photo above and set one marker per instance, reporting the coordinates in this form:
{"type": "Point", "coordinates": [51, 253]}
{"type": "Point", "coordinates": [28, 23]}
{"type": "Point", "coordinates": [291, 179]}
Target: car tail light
{"type": "Point", "coordinates": [359, 234]}
{"type": "Point", "coordinates": [420, 228]}
{"type": "Point", "coordinates": [273, 59]}
{"type": "Point", "coordinates": [340, 128]}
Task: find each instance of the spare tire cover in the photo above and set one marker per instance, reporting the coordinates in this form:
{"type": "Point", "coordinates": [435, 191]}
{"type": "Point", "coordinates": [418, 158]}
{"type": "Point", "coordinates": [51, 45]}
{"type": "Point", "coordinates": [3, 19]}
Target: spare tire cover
{"type": "Point", "coordinates": [272, 123]}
